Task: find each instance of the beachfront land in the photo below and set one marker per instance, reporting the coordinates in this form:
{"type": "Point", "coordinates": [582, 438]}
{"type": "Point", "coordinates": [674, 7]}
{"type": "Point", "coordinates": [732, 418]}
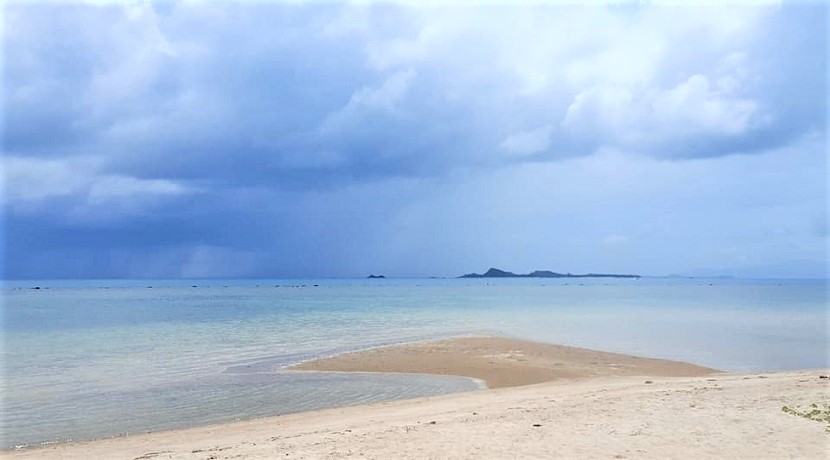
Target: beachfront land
{"type": "Point", "coordinates": [544, 401]}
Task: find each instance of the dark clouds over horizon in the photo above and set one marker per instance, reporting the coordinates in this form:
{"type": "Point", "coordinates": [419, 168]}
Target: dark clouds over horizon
{"type": "Point", "coordinates": [261, 139]}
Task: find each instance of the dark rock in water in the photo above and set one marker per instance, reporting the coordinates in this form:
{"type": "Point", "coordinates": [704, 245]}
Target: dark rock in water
{"type": "Point", "coordinates": [546, 274]}
{"type": "Point", "coordinates": [492, 273]}
{"type": "Point", "coordinates": [375, 277]}
{"type": "Point", "coordinates": [36, 287]}
{"type": "Point", "coordinates": [496, 273]}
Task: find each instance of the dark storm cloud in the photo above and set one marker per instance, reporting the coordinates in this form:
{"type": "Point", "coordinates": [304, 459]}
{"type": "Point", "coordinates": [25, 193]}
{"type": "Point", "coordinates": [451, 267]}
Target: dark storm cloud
{"type": "Point", "coordinates": [250, 92]}
{"type": "Point", "coordinates": [182, 139]}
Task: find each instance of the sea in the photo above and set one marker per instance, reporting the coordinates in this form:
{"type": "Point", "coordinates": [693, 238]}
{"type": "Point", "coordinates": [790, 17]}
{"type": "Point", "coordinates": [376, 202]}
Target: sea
{"type": "Point", "coordinates": [100, 358]}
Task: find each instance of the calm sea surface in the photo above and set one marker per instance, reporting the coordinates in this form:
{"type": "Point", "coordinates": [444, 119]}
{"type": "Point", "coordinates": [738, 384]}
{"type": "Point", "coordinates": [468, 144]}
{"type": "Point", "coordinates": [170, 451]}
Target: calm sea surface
{"type": "Point", "coordinates": [96, 358]}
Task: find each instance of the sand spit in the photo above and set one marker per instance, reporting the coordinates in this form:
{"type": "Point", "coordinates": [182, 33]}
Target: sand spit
{"type": "Point", "coordinates": [502, 362]}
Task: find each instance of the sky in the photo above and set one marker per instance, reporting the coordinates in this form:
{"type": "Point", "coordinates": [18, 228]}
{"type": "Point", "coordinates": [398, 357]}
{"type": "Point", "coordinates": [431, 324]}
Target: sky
{"type": "Point", "coordinates": [259, 139]}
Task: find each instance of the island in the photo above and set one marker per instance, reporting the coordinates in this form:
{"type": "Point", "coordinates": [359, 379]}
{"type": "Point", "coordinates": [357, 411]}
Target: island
{"type": "Point", "coordinates": [496, 273]}
{"type": "Point", "coordinates": [375, 277]}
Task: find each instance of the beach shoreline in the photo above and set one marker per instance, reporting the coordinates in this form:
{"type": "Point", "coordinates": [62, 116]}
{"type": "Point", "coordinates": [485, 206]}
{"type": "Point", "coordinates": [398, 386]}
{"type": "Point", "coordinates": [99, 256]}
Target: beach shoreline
{"type": "Point", "coordinates": [585, 395]}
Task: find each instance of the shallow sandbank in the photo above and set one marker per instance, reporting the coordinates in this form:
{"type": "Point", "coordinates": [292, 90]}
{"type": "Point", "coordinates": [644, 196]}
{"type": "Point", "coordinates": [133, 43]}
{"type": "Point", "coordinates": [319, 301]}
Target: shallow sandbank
{"type": "Point", "coordinates": [501, 362]}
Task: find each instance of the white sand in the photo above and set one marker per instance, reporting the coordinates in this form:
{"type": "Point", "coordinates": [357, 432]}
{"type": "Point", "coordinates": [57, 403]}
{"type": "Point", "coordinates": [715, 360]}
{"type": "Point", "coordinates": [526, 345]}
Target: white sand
{"type": "Point", "coordinates": [720, 416]}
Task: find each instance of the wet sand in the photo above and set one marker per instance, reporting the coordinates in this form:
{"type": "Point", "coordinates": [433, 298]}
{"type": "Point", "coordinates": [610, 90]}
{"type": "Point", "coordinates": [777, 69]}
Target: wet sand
{"type": "Point", "coordinates": [502, 362]}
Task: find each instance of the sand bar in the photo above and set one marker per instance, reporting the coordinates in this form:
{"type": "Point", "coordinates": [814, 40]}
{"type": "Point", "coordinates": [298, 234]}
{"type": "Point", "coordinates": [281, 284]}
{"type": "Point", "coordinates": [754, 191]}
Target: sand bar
{"type": "Point", "coordinates": [598, 405]}
{"type": "Point", "coordinates": [502, 362]}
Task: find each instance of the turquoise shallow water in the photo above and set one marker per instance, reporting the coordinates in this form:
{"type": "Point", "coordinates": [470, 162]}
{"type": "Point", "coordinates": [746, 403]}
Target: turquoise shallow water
{"type": "Point", "coordinates": [86, 359]}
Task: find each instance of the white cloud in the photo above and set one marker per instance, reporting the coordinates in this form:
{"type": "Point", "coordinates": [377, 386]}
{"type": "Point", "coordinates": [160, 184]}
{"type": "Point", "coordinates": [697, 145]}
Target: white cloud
{"type": "Point", "coordinates": [528, 142]}
{"type": "Point", "coordinates": [114, 187]}
{"type": "Point", "coordinates": [626, 79]}
{"type": "Point", "coordinates": [638, 119]}
{"type": "Point", "coordinates": [384, 100]}
{"type": "Point", "coordinates": [697, 106]}
{"type": "Point", "coordinates": [30, 182]}
{"type": "Point", "coordinates": [387, 95]}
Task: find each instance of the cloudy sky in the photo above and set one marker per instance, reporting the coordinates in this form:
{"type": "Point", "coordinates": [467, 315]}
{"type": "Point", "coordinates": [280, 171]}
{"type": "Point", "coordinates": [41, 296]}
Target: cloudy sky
{"type": "Point", "coordinates": [256, 139]}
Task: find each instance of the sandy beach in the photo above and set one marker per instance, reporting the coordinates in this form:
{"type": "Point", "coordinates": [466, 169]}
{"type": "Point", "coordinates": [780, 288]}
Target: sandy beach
{"type": "Point", "coordinates": [544, 401]}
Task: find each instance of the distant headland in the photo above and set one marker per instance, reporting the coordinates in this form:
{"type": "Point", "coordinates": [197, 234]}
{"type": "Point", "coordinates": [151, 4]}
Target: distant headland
{"type": "Point", "coordinates": [496, 273]}
{"type": "Point", "coordinates": [375, 277]}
